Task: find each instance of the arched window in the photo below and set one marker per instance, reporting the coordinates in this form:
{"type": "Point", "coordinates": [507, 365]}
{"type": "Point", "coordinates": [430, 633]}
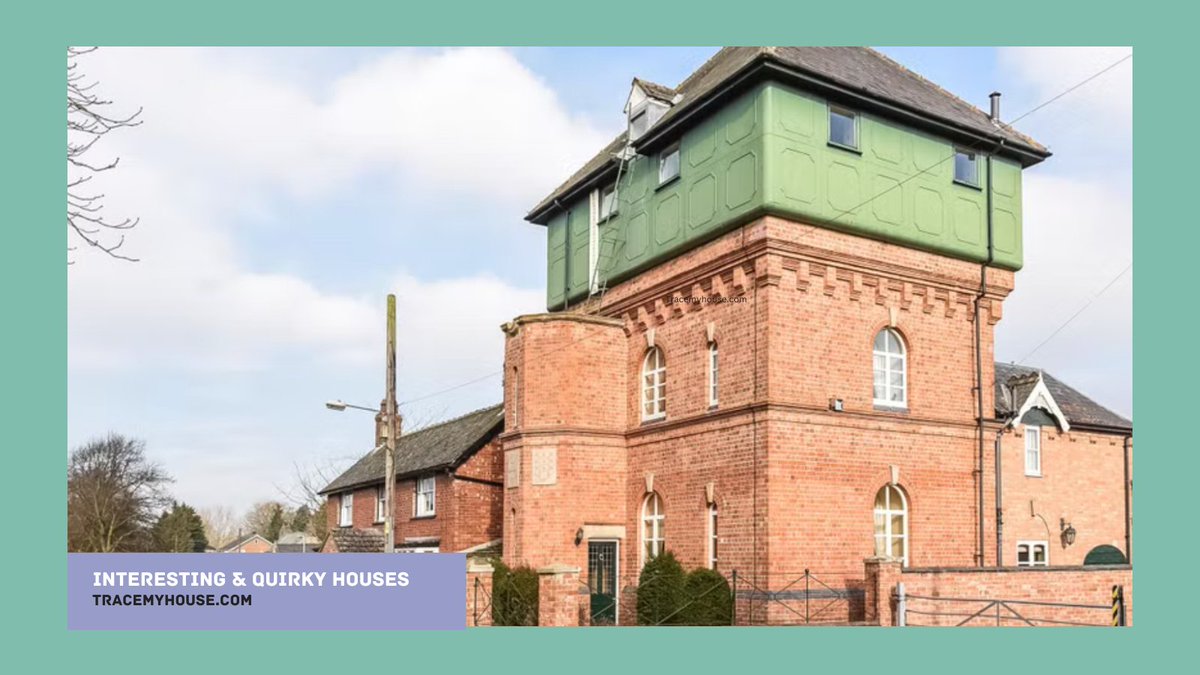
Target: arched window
{"type": "Point", "coordinates": [891, 523]}
{"type": "Point", "coordinates": [891, 370]}
{"type": "Point", "coordinates": [653, 533]}
{"type": "Point", "coordinates": [712, 375]}
{"type": "Point", "coordinates": [654, 385]}
{"type": "Point", "coordinates": [712, 537]}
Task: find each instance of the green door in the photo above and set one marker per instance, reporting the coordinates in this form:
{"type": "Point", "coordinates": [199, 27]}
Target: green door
{"type": "Point", "coordinates": [602, 580]}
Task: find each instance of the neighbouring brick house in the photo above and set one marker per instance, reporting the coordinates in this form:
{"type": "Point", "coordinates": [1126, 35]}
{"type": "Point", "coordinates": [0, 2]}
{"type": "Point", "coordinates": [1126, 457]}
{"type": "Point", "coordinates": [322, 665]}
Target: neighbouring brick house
{"type": "Point", "coordinates": [249, 543]}
{"type": "Point", "coordinates": [770, 344]}
{"type": "Point", "coordinates": [448, 490]}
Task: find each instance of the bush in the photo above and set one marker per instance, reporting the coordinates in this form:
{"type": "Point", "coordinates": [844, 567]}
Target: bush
{"type": "Point", "coordinates": [514, 595]}
{"type": "Point", "coordinates": [709, 601]}
{"type": "Point", "coordinates": [660, 593]}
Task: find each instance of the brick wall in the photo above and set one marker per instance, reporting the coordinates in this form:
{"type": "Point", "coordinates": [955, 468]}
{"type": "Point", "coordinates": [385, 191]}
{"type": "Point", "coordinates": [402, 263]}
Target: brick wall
{"type": "Point", "coordinates": [793, 481]}
{"type": "Point", "coordinates": [467, 505]}
{"type": "Point", "coordinates": [1037, 595]}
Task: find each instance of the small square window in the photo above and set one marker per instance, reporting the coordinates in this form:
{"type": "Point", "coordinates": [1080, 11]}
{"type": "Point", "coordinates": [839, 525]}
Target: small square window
{"type": "Point", "coordinates": [843, 128]}
{"type": "Point", "coordinates": [668, 164]}
{"type": "Point", "coordinates": [966, 168]}
{"type": "Point", "coordinates": [1033, 554]}
{"type": "Point", "coordinates": [639, 124]}
{"type": "Point", "coordinates": [608, 204]}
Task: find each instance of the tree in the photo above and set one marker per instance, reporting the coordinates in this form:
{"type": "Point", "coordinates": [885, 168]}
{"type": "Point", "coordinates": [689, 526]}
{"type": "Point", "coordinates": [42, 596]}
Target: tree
{"type": "Point", "coordinates": [301, 518]}
{"type": "Point", "coordinates": [88, 120]}
{"type": "Point", "coordinates": [220, 525]}
{"type": "Point", "coordinates": [660, 592]}
{"type": "Point", "coordinates": [275, 524]}
{"type": "Point", "coordinates": [179, 530]}
{"type": "Point", "coordinates": [113, 494]}
{"type": "Point", "coordinates": [263, 518]}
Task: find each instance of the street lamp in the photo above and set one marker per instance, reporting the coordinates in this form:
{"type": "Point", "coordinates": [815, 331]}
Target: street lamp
{"type": "Point", "coordinates": [339, 405]}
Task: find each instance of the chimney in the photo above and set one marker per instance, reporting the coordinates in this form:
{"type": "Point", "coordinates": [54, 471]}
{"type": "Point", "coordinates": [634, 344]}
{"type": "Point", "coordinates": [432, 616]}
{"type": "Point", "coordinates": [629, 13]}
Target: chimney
{"type": "Point", "coordinates": [381, 427]}
{"type": "Point", "coordinates": [995, 97]}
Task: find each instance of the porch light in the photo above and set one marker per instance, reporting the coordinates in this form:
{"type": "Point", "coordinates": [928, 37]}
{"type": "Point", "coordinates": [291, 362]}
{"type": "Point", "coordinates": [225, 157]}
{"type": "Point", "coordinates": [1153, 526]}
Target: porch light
{"type": "Point", "coordinates": [1068, 532]}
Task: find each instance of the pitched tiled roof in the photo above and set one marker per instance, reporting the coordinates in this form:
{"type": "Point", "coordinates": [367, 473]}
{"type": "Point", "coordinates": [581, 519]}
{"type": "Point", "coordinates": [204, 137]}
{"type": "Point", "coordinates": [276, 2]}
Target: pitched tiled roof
{"type": "Point", "coordinates": [444, 445]}
{"type": "Point", "coordinates": [860, 70]}
{"type": "Point", "coordinates": [243, 539]}
{"type": "Point", "coordinates": [655, 90]}
{"type": "Point", "coordinates": [1079, 409]}
{"type": "Point", "coordinates": [349, 540]}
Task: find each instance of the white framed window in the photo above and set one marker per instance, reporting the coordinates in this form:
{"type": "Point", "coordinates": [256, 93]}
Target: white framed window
{"type": "Point", "coordinates": [890, 364]}
{"type": "Point", "coordinates": [966, 168]}
{"type": "Point", "coordinates": [380, 503]}
{"type": "Point", "coordinates": [891, 523]}
{"type": "Point", "coordinates": [654, 537]}
{"type": "Point", "coordinates": [426, 496]}
{"type": "Point", "coordinates": [843, 128]}
{"type": "Point", "coordinates": [712, 537]}
{"type": "Point", "coordinates": [713, 375]}
{"type": "Point", "coordinates": [1033, 554]}
{"type": "Point", "coordinates": [346, 517]}
{"type": "Point", "coordinates": [668, 164]}
{"type": "Point", "coordinates": [419, 549]}
{"type": "Point", "coordinates": [608, 204]}
{"type": "Point", "coordinates": [1033, 451]}
{"type": "Point", "coordinates": [654, 385]}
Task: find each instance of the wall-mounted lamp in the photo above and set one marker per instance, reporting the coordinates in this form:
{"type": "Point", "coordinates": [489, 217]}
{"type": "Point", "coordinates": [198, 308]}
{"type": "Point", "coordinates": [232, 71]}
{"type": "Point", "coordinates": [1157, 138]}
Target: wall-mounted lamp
{"type": "Point", "coordinates": [579, 536]}
{"type": "Point", "coordinates": [1067, 532]}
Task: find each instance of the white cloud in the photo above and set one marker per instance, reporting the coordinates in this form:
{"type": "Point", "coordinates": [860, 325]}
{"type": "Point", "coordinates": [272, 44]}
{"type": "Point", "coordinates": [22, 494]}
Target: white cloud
{"type": "Point", "coordinates": [469, 121]}
{"type": "Point", "coordinates": [1078, 238]}
{"type": "Point", "coordinates": [1050, 71]}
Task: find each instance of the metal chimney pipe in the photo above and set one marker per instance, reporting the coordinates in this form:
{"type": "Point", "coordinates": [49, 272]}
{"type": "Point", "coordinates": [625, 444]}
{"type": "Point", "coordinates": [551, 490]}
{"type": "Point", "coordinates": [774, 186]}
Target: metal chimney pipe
{"type": "Point", "coordinates": [995, 97]}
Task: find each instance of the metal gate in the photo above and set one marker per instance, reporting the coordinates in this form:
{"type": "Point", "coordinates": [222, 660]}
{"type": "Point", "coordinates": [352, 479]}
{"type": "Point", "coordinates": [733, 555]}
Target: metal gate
{"type": "Point", "coordinates": [921, 610]}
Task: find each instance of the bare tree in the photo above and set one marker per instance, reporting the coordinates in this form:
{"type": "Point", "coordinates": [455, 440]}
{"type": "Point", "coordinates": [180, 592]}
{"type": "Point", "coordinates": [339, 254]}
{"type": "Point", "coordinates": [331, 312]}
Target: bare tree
{"type": "Point", "coordinates": [220, 525]}
{"type": "Point", "coordinates": [307, 482]}
{"type": "Point", "coordinates": [114, 493]}
{"type": "Point", "coordinates": [87, 122]}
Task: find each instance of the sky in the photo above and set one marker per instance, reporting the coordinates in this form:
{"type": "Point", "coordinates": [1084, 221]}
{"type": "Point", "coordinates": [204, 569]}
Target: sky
{"type": "Point", "coordinates": [284, 192]}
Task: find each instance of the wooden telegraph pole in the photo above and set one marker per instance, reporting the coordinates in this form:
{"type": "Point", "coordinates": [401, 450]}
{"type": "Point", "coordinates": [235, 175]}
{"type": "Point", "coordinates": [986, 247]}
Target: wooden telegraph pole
{"type": "Point", "coordinates": [393, 428]}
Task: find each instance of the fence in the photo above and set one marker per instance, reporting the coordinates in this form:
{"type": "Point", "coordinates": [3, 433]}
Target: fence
{"type": "Point", "coordinates": [1011, 596]}
{"type": "Point", "coordinates": [830, 598]}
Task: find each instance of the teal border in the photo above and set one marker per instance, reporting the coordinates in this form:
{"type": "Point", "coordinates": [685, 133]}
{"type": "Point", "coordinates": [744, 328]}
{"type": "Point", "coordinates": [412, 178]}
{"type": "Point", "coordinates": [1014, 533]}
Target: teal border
{"type": "Point", "coordinates": [33, 394]}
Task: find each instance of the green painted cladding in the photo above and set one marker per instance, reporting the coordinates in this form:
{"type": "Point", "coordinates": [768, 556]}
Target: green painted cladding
{"type": "Point", "coordinates": [768, 152]}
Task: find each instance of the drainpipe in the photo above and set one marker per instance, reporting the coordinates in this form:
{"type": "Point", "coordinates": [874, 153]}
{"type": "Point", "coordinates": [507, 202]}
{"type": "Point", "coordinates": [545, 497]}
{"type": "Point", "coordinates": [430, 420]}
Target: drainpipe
{"type": "Point", "coordinates": [979, 352]}
{"type": "Point", "coordinates": [1000, 493]}
{"type": "Point", "coordinates": [1128, 489]}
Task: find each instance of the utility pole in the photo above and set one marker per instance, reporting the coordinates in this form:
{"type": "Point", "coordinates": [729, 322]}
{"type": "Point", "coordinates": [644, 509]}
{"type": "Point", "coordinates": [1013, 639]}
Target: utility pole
{"type": "Point", "coordinates": [389, 466]}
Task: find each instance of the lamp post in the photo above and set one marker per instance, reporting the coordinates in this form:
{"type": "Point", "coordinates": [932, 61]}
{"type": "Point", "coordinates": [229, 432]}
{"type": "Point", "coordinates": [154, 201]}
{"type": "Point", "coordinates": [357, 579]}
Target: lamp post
{"type": "Point", "coordinates": [393, 428]}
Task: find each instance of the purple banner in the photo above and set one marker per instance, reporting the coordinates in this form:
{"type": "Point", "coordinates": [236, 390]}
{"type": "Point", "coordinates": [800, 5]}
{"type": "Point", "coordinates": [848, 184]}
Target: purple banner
{"type": "Point", "coordinates": [269, 591]}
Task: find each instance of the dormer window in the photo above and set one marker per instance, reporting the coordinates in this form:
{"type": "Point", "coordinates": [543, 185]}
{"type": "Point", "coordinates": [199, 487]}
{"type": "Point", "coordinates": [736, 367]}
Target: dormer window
{"type": "Point", "coordinates": [644, 115]}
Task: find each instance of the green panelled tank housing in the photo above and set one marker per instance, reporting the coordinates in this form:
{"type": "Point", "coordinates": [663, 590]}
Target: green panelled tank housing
{"type": "Point", "coordinates": [754, 139]}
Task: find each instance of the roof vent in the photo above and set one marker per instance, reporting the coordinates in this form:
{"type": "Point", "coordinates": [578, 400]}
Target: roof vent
{"type": "Point", "coordinates": [995, 114]}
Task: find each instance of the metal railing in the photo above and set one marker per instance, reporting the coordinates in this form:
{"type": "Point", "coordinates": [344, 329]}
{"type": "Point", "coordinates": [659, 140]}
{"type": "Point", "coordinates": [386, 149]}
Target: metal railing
{"type": "Point", "coordinates": [920, 610]}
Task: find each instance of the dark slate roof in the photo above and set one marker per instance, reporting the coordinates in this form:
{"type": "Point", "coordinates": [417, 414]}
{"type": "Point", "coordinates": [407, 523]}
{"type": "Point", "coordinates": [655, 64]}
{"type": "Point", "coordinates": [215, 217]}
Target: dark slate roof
{"type": "Point", "coordinates": [440, 446]}
{"type": "Point", "coordinates": [243, 539]}
{"type": "Point", "coordinates": [1079, 409]}
{"type": "Point", "coordinates": [858, 69]}
{"type": "Point", "coordinates": [349, 540]}
{"type": "Point", "coordinates": [655, 90]}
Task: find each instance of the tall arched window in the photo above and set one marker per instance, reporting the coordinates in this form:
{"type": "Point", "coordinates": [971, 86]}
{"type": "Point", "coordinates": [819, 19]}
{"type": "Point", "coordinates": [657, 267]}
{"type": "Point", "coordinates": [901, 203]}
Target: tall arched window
{"type": "Point", "coordinates": [891, 523]}
{"type": "Point", "coordinates": [891, 370]}
{"type": "Point", "coordinates": [654, 536]}
{"type": "Point", "coordinates": [654, 385]}
{"type": "Point", "coordinates": [713, 378]}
